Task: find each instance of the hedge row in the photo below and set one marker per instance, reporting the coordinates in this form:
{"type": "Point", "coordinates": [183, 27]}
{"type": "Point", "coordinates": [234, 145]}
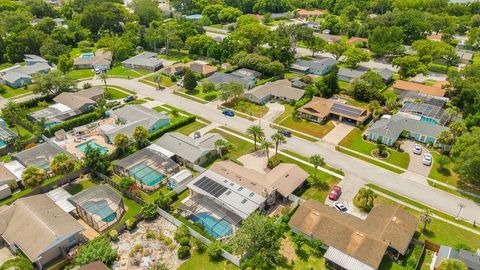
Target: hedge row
{"type": "Point", "coordinates": [176, 123]}
{"type": "Point", "coordinates": [440, 68]}
{"type": "Point", "coordinates": [74, 122]}
{"type": "Point", "coordinates": [34, 101]}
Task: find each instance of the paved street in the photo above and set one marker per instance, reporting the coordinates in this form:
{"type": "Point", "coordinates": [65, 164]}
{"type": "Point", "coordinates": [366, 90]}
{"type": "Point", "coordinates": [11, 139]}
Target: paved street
{"type": "Point", "coordinates": [353, 168]}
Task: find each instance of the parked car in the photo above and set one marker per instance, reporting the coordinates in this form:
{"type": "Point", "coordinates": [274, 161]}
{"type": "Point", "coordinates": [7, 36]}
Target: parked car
{"type": "Point", "coordinates": [114, 103]}
{"type": "Point", "coordinates": [197, 135]}
{"type": "Point", "coordinates": [285, 133]}
{"type": "Point", "coordinates": [417, 149]}
{"type": "Point", "coordinates": [180, 83]}
{"type": "Point", "coordinates": [340, 207]}
{"type": "Point", "coordinates": [228, 112]}
{"type": "Point", "coordinates": [427, 159]}
{"type": "Point", "coordinates": [97, 71]}
{"type": "Point", "coordinates": [335, 193]}
{"type": "Point", "coordinates": [129, 98]}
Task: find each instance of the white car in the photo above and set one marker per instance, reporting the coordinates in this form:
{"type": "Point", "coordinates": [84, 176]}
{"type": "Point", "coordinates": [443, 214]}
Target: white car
{"type": "Point", "coordinates": [340, 207]}
{"type": "Point", "coordinates": [417, 149]}
{"type": "Point", "coordinates": [427, 159]}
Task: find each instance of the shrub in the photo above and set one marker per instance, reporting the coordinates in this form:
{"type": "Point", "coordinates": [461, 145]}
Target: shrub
{"type": "Point", "coordinates": [113, 234]}
{"type": "Point", "coordinates": [183, 252]}
{"type": "Point", "coordinates": [273, 162]}
{"type": "Point", "coordinates": [198, 245]}
{"type": "Point", "coordinates": [168, 241]}
{"type": "Point", "coordinates": [131, 223]}
{"type": "Point", "coordinates": [181, 232]}
{"type": "Point", "coordinates": [438, 68]}
{"type": "Point", "coordinates": [99, 249]}
{"type": "Point", "coordinates": [214, 251]}
{"type": "Point", "coordinates": [210, 96]}
{"type": "Point", "coordinates": [175, 124]}
{"type": "Point", "coordinates": [184, 241]}
{"type": "Point", "coordinates": [150, 234]}
{"type": "Point", "coordinates": [74, 122]}
{"type": "Point", "coordinates": [149, 210]}
{"type": "Point", "coordinates": [171, 246]}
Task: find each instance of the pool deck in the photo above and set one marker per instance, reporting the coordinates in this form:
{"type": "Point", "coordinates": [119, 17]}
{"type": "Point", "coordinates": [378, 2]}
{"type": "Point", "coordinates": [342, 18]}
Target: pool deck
{"type": "Point", "coordinates": [71, 143]}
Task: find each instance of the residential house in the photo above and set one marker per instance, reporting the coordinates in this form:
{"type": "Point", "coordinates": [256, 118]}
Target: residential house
{"type": "Point", "coordinates": [357, 40]}
{"type": "Point", "coordinates": [353, 243]}
{"type": "Point", "coordinates": [471, 260]}
{"type": "Point", "coordinates": [18, 76]}
{"type": "Point", "coordinates": [414, 96]}
{"type": "Point", "coordinates": [305, 14]}
{"type": "Point", "coordinates": [315, 25]}
{"type": "Point", "coordinates": [101, 60]}
{"type": "Point", "coordinates": [327, 37]}
{"type": "Point", "coordinates": [68, 105]}
{"type": "Point", "coordinates": [320, 110]}
{"type": "Point", "coordinates": [128, 117]}
{"type": "Point", "coordinates": [7, 136]}
{"type": "Point", "coordinates": [174, 70]}
{"type": "Point", "coordinates": [39, 228]}
{"type": "Point", "coordinates": [220, 78]}
{"type": "Point", "coordinates": [40, 155]}
{"type": "Point", "coordinates": [401, 86]}
{"type": "Point", "coordinates": [279, 182]}
{"type": "Point", "coordinates": [31, 59]}
{"type": "Point", "coordinates": [202, 67]}
{"type": "Point", "coordinates": [435, 37]}
{"type": "Point", "coordinates": [144, 61]}
{"type": "Point", "coordinates": [189, 151]}
{"type": "Point", "coordinates": [389, 128]}
{"type": "Point", "coordinates": [428, 113]}
{"type": "Point", "coordinates": [349, 75]}
{"type": "Point", "coordinates": [245, 72]}
{"type": "Point", "coordinates": [278, 90]}
{"type": "Point", "coordinates": [317, 67]}
{"type": "Point", "coordinates": [385, 73]}
{"type": "Point", "coordinates": [465, 56]}
{"type": "Point", "coordinates": [11, 173]}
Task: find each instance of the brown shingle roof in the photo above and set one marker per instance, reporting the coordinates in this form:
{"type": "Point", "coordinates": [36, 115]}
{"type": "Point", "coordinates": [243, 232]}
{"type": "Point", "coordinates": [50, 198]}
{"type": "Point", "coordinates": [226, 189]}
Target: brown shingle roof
{"type": "Point", "coordinates": [367, 241]}
{"type": "Point", "coordinates": [313, 12]}
{"type": "Point", "coordinates": [321, 108]}
{"type": "Point", "coordinates": [412, 86]}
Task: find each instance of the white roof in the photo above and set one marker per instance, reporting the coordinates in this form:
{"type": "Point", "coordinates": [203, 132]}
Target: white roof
{"type": "Point", "coordinates": [16, 168]}
{"type": "Point", "coordinates": [345, 261]}
{"type": "Point", "coordinates": [60, 197]}
{"type": "Point", "coordinates": [181, 176]}
{"type": "Point", "coordinates": [61, 107]}
{"type": "Point", "coordinates": [162, 150]}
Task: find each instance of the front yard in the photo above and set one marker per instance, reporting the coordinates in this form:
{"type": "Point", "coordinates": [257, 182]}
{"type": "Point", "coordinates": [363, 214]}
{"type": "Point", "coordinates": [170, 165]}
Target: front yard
{"type": "Point", "coordinates": [8, 92]}
{"type": "Point", "coordinates": [354, 141]}
{"type": "Point", "coordinates": [314, 129]}
{"type": "Point", "coordinates": [121, 71]}
{"type": "Point", "coordinates": [190, 128]}
{"type": "Point", "coordinates": [247, 107]}
{"type": "Point", "coordinates": [198, 92]}
{"type": "Point", "coordinates": [115, 93]}
{"type": "Point", "coordinates": [166, 81]}
{"type": "Point", "coordinates": [78, 74]}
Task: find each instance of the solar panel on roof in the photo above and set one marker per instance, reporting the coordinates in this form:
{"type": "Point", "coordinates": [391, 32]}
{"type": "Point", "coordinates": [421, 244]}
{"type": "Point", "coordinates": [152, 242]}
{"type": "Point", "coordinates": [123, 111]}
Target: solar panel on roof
{"type": "Point", "coordinates": [211, 187]}
{"type": "Point", "coordinates": [340, 108]}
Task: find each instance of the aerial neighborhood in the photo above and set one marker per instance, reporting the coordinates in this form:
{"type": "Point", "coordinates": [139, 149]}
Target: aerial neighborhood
{"type": "Point", "coordinates": [222, 135]}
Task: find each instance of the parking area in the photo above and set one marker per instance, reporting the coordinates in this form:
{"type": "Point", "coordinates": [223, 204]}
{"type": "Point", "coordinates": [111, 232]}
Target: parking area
{"type": "Point", "coordinates": [339, 132]}
{"type": "Point", "coordinates": [350, 187]}
{"type": "Point", "coordinates": [415, 164]}
{"type": "Point", "coordinates": [274, 110]}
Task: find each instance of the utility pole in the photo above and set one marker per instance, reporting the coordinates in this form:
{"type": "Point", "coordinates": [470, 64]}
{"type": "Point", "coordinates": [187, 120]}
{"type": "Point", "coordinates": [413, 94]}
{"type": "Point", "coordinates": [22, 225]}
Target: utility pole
{"type": "Point", "coordinates": [461, 205]}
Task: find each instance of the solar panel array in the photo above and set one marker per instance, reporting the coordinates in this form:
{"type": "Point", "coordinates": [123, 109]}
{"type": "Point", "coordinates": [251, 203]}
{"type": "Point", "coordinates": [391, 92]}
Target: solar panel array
{"type": "Point", "coordinates": [426, 110]}
{"type": "Point", "coordinates": [346, 110]}
{"type": "Point", "coordinates": [211, 187]}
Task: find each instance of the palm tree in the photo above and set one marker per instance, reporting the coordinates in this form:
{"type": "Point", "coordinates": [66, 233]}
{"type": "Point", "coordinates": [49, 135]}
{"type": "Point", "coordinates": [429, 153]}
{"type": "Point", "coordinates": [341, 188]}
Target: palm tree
{"type": "Point", "coordinates": [316, 161]}
{"type": "Point", "coordinates": [103, 76]}
{"type": "Point", "coordinates": [140, 135]}
{"type": "Point", "coordinates": [121, 141]}
{"type": "Point", "coordinates": [13, 111]}
{"type": "Point", "coordinates": [426, 218]}
{"type": "Point", "coordinates": [278, 138]}
{"type": "Point", "coordinates": [33, 177]}
{"type": "Point", "coordinates": [257, 132]}
{"type": "Point", "coordinates": [265, 146]}
{"type": "Point", "coordinates": [219, 145]}
{"type": "Point", "coordinates": [374, 107]}
{"type": "Point", "coordinates": [157, 78]}
{"type": "Point", "coordinates": [62, 164]}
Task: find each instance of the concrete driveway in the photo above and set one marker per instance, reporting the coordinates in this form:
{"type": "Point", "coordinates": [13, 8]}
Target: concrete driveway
{"type": "Point", "coordinates": [338, 133]}
{"type": "Point", "coordinates": [274, 110]}
{"type": "Point", "coordinates": [415, 164]}
{"type": "Point", "coordinates": [350, 186]}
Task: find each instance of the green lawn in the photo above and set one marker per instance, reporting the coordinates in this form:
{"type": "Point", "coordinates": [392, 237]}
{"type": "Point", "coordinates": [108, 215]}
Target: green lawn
{"type": "Point", "coordinates": [247, 107]}
{"type": "Point", "coordinates": [375, 162]}
{"type": "Point", "coordinates": [78, 74]}
{"type": "Point", "coordinates": [123, 89]}
{"type": "Point", "coordinates": [343, 85]}
{"type": "Point", "coordinates": [190, 128]}
{"type": "Point", "coordinates": [307, 160]}
{"type": "Point", "coordinates": [357, 103]}
{"type": "Point", "coordinates": [75, 52]}
{"type": "Point", "coordinates": [198, 92]}
{"type": "Point", "coordinates": [242, 147]}
{"type": "Point", "coordinates": [137, 101]}
{"type": "Point", "coordinates": [8, 92]}
{"type": "Point", "coordinates": [182, 94]}
{"type": "Point", "coordinates": [22, 132]}
{"type": "Point", "coordinates": [201, 261]}
{"type": "Point", "coordinates": [307, 127]}
{"type": "Point", "coordinates": [291, 75]}
{"type": "Point", "coordinates": [169, 107]}
{"type": "Point", "coordinates": [446, 175]}
{"type": "Point", "coordinates": [286, 113]}
{"type": "Point", "coordinates": [80, 186]}
{"type": "Point", "coordinates": [121, 71]}
{"type": "Point", "coordinates": [115, 93]}
{"type": "Point", "coordinates": [166, 81]}
{"type": "Point", "coordinates": [355, 142]}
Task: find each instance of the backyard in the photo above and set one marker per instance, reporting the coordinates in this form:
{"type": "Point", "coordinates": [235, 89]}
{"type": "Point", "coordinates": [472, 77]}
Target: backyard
{"type": "Point", "coordinates": [354, 141]}
{"type": "Point", "coordinates": [247, 107]}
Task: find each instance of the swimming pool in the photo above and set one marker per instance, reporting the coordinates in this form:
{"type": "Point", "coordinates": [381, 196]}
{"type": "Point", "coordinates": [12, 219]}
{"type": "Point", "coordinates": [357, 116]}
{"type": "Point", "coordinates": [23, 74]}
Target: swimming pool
{"type": "Point", "coordinates": [100, 208]}
{"type": "Point", "coordinates": [2, 143]}
{"type": "Point", "coordinates": [213, 226]}
{"type": "Point", "coordinates": [83, 146]}
{"type": "Point", "coordinates": [87, 55]}
{"type": "Point", "coordinates": [146, 174]}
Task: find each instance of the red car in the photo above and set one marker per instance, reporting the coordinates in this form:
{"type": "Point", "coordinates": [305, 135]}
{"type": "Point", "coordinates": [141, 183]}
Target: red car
{"type": "Point", "coordinates": [335, 193]}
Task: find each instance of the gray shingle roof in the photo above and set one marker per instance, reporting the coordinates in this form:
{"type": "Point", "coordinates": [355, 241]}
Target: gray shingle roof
{"type": "Point", "coordinates": [320, 64]}
{"type": "Point", "coordinates": [149, 59]}
{"type": "Point", "coordinates": [221, 78]}
{"type": "Point", "coordinates": [351, 73]}
{"type": "Point", "coordinates": [280, 88]}
{"type": "Point", "coordinates": [133, 116]}
{"type": "Point", "coordinates": [385, 73]}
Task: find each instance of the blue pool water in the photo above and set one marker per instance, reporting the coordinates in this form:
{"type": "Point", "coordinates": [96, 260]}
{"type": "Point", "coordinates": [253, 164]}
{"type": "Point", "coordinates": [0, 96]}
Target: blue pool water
{"type": "Point", "coordinates": [87, 55]}
{"type": "Point", "coordinates": [146, 174]}
{"type": "Point", "coordinates": [83, 146]}
{"type": "Point", "coordinates": [2, 143]}
{"type": "Point", "coordinates": [214, 227]}
{"type": "Point", "coordinates": [100, 208]}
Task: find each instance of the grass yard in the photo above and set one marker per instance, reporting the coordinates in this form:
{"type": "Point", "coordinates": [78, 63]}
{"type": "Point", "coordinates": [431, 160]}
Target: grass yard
{"type": "Point", "coordinates": [247, 107]}
{"type": "Point", "coordinates": [115, 93]}
{"type": "Point", "coordinates": [198, 92]}
{"type": "Point", "coordinates": [78, 74]}
{"type": "Point", "coordinates": [344, 85]}
{"type": "Point", "coordinates": [292, 75]}
{"type": "Point", "coordinates": [137, 102]}
{"type": "Point", "coordinates": [242, 147]}
{"type": "Point", "coordinates": [307, 127]}
{"type": "Point", "coordinates": [355, 142]}
{"type": "Point", "coordinates": [166, 81]}
{"type": "Point", "coordinates": [22, 132]}
{"type": "Point", "coordinates": [201, 261]}
{"type": "Point", "coordinates": [8, 92]}
{"type": "Point", "coordinates": [286, 113]}
{"type": "Point", "coordinates": [172, 57]}
{"type": "Point", "coordinates": [190, 128]}
{"type": "Point", "coordinates": [80, 186]}
{"type": "Point", "coordinates": [123, 89]}
{"type": "Point", "coordinates": [369, 160]}
{"type": "Point", "coordinates": [307, 160]}
{"type": "Point", "coordinates": [169, 107]}
{"type": "Point", "coordinates": [357, 103]}
{"type": "Point", "coordinates": [187, 96]}
{"type": "Point", "coordinates": [121, 71]}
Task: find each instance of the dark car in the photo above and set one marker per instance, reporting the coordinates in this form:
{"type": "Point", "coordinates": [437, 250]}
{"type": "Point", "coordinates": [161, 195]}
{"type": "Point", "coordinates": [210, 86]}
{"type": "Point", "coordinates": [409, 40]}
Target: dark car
{"type": "Point", "coordinates": [228, 113]}
{"type": "Point", "coordinates": [285, 133]}
{"type": "Point", "coordinates": [129, 98]}
{"type": "Point", "coordinates": [335, 193]}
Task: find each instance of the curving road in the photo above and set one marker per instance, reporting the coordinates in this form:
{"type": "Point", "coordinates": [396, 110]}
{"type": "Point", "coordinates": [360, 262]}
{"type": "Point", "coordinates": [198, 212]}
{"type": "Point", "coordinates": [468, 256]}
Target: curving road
{"type": "Point", "coordinates": [353, 168]}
